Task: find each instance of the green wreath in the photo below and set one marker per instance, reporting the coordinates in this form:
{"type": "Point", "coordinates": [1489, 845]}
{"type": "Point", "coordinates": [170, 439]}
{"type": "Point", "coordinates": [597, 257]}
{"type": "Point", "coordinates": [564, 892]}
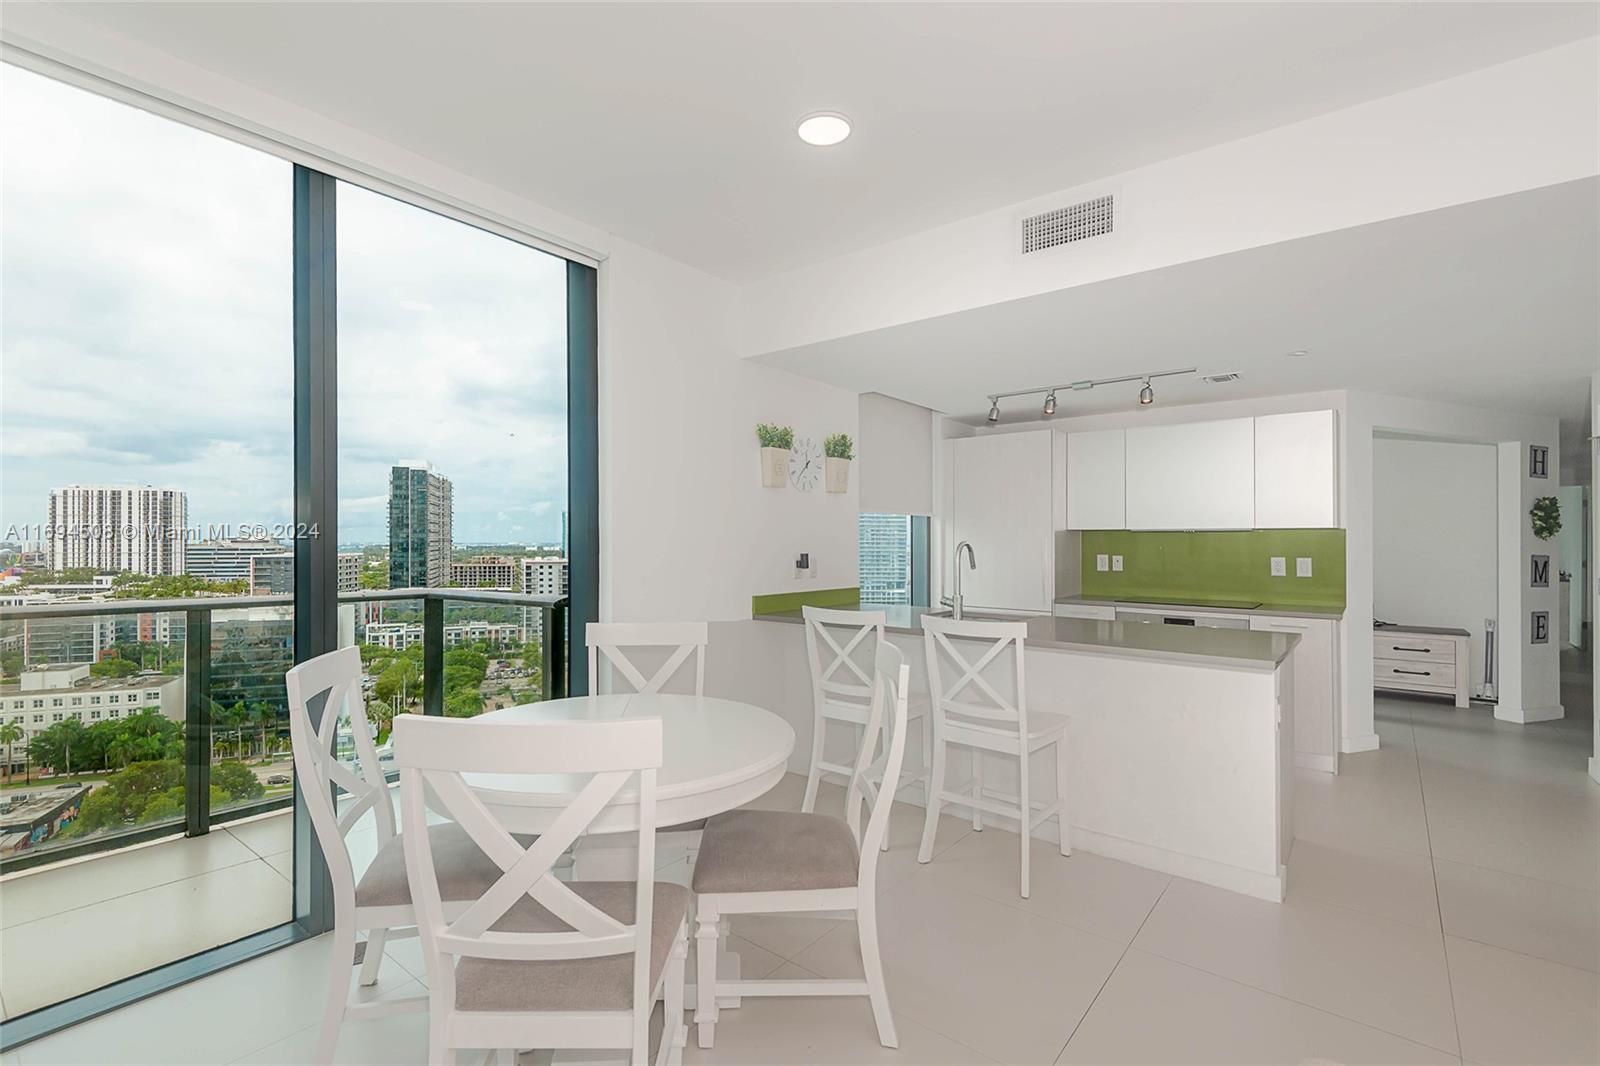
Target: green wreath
{"type": "Point", "coordinates": [1546, 514]}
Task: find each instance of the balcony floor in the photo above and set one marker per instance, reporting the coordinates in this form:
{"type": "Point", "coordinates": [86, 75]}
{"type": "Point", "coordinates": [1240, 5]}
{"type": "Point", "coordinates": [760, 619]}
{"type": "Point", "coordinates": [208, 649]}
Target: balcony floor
{"type": "Point", "coordinates": [72, 927]}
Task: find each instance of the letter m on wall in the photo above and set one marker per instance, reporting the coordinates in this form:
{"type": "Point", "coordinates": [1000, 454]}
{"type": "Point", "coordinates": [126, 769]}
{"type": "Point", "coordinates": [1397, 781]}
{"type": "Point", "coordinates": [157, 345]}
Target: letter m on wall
{"type": "Point", "coordinates": [1539, 572]}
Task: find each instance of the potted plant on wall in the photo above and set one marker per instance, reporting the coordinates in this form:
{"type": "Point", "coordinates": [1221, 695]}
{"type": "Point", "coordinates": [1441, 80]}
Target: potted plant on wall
{"type": "Point", "coordinates": [1546, 515]}
{"type": "Point", "coordinates": [775, 444]}
{"type": "Point", "coordinates": [837, 450]}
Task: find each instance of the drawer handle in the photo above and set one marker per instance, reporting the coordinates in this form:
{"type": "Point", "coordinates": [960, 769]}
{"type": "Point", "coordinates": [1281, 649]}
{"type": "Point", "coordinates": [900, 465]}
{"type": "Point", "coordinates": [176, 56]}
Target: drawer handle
{"type": "Point", "coordinates": [1402, 647]}
{"type": "Point", "coordinates": [1419, 673]}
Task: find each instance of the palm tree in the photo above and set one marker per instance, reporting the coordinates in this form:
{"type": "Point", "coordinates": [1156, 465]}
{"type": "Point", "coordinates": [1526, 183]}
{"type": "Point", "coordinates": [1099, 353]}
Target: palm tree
{"type": "Point", "coordinates": [10, 733]}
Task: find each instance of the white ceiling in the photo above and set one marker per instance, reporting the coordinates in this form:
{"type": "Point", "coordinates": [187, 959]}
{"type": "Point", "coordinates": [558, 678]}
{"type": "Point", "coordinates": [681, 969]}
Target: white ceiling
{"type": "Point", "coordinates": [672, 125]}
{"type": "Point", "coordinates": [1489, 304]}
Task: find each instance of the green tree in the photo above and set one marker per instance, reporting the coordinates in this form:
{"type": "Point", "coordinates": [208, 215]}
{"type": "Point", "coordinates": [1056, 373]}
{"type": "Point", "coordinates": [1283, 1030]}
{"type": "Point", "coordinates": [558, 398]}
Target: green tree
{"type": "Point", "coordinates": [10, 733]}
{"type": "Point", "coordinates": [237, 781]}
{"type": "Point", "coordinates": [52, 747]}
{"type": "Point", "coordinates": [116, 666]}
{"type": "Point", "coordinates": [463, 703]}
{"type": "Point", "coordinates": [398, 681]}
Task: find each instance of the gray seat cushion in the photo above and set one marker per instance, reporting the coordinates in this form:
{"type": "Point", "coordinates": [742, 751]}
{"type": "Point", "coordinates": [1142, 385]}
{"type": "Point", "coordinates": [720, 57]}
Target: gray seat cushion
{"type": "Point", "coordinates": [604, 983]}
{"type": "Point", "coordinates": [684, 827]}
{"type": "Point", "coordinates": [775, 851]}
{"type": "Point", "coordinates": [465, 872]}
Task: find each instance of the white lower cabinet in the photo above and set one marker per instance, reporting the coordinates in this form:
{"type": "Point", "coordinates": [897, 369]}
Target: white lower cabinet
{"type": "Point", "coordinates": [1316, 688]}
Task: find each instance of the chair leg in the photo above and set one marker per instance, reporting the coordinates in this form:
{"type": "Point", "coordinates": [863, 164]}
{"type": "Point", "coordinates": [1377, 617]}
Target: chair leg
{"type": "Point", "coordinates": [1025, 815]}
{"type": "Point", "coordinates": [872, 967]}
{"type": "Point", "coordinates": [705, 1015]}
{"type": "Point", "coordinates": [1063, 789]}
{"type": "Point", "coordinates": [338, 997]}
{"type": "Point", "coordinates": [930, 823]}
{"type": "Point", "coordinates": [977, 789]}
{"type": "Point", "coordinates": [927, 759]}
{"type": "Point", "coordinates": [374, 956]}
{"type": "Point", "coordinates": [819, 734]}
{"type": "Point", "coordinates": [673, 1032]}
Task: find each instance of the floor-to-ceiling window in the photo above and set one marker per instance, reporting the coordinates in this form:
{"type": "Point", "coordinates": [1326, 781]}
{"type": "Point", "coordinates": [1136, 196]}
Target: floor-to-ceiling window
{"type": "Point", "coordinates": [241, 404]}
{"type": "Point", "coordinates": [145, 455]}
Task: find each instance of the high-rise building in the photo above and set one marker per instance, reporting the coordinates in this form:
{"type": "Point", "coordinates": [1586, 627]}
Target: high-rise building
{"type": "Point", "coordinates": [565, 554]}
{"type": "Point", "coordinates": [136, 529]}
{"type": "Point", "coordinates": [885, 558]}
{"type": "Point", "coordinates": [272, 575]}
{"type": "Point", "coordinates": [420, 515]}
{"type": "Point", "coordinates": [349, 571]}
{"type": "Point", "coordinates": [225, 560]}
{"type": "Point", "coordinates": [542, 576]}
{"type": "Point", "coordinates": [486, 572]}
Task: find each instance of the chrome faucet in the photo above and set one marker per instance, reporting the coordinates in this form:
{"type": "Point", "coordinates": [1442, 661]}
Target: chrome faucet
{"type": "Point", "coordinates": [972, 564]}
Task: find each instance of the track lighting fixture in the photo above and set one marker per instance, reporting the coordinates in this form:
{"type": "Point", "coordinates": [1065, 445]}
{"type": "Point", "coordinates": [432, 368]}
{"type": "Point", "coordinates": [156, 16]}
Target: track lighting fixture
{"type": "Point", "coordinates": [1147, 393]}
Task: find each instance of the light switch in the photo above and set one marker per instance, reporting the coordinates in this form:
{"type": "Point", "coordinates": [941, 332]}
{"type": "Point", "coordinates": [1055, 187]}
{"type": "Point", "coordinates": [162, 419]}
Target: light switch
{"type": "Point", "coordinates": [1302, 566]}
{"type": "Point", "coordinates": [1280, 566]}
{"type": "Point", "coordinates": [1102, 563]}
{"type": "Point", "coordinates": [1116, 563]}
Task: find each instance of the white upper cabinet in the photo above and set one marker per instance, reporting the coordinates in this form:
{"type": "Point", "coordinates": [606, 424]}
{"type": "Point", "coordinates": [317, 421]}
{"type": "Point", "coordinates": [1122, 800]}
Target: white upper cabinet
{"type": "Point", "coordinates": [1296, 480]}
{"type": "Point", "coordinates": [1004, 492]}
{"type": "Point", "coordinates": [1096, 480]}
{"type": "Point", "coordinates": [1194, 475]}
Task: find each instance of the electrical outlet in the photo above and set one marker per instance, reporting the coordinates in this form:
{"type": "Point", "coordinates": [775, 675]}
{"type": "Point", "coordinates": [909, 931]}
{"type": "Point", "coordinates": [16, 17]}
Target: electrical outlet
{"type": "Point", "coordinates": [1302, 566]}
{"type": "Point", "coordinates": [1116, 563]}
{"type": "Point", "coordinates": [1280, 566]}
{"type": "Point", "coordinates": [1102, 563]}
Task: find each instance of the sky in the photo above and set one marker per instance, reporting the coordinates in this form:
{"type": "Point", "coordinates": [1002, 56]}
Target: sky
{"type": "Point", "coordinates": [146, 332]}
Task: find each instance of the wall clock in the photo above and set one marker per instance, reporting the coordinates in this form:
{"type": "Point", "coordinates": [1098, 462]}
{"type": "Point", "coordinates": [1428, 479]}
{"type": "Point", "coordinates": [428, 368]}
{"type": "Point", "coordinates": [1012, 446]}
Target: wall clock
{"type": "Point", "coordinates": [805, 464]}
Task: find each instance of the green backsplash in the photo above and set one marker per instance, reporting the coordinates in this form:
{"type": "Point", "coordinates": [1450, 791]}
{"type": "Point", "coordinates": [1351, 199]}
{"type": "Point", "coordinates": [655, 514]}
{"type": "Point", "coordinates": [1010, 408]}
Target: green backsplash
{"type": "Point", "coordinates": [779, 602]}
{"type": "Point", "coordinates": [1221, 565]}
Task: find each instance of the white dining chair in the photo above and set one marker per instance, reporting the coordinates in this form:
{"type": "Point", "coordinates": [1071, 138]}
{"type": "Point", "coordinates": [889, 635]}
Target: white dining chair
{"type": "Point", "coordinates": [610, 642]}
{"type": "Point", "coordinates": [793, 862]}
{"type": "Point", "coordinates": [675, 642]}
{"type": "Point", "coordinates": [536, 961]}
{"type": "Point", "coordinates": [379, 901]}
{"type": "Point", "coordinates": [970, 712]}
{"type": "Point", "coordinates": [841, 648]}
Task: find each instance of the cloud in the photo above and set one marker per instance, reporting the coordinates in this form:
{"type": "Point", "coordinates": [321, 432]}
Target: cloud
{"type": "Point", "coordinates": [146, 331]}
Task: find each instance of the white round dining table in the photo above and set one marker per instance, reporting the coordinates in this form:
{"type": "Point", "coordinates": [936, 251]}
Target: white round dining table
{"type": "Point", "coordinates": [717, 754]}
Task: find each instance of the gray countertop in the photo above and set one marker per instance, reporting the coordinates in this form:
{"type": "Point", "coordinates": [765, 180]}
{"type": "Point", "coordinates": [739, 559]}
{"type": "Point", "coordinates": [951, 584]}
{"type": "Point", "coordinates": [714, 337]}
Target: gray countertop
{"type": "Point", "coordinates": [1237, 649]}
{"type": "Point", "coordinates": [1275, 610]}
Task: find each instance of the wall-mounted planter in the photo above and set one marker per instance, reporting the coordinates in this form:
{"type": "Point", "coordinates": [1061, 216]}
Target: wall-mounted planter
{"type": "Point", "coordinates": [837, 474]}
{"type": "Point", "coordinates": [774, 467]}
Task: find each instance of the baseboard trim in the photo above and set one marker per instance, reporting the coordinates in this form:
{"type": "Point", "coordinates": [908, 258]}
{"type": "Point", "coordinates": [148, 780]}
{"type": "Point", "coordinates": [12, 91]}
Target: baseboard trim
{"type": "Point", "coordinates": [1525, 715]}
{"type": "Point", "coordinates": [1207, 871]}
{"type": "Point", "coordinates": [1362, 742]}
{"type": "Point", "coordinates": [1328, 764]}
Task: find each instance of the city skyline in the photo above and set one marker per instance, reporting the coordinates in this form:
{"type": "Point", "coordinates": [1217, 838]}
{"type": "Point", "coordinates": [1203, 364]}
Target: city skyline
{"type": "Point", "coordinates": [147, 332]}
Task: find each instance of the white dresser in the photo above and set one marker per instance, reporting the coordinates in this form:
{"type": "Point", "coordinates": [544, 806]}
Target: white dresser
{"type": "Point", "coordinates": [1423, 659]}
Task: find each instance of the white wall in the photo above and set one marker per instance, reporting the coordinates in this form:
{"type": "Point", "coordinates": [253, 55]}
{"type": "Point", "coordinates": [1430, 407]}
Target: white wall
{"type": "Point", "coordinates": [1521, 125]}
{"type": "Point", "coordinates": [688, 531]}
{"type": "Point", "coordinates": [895, 453]}
{"type": "Point", "coordinates": [1435, 536]}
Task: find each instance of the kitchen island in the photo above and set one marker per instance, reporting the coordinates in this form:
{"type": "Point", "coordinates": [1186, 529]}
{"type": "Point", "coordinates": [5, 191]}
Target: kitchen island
{"type": "Point", "coordinates": [1181, 740]}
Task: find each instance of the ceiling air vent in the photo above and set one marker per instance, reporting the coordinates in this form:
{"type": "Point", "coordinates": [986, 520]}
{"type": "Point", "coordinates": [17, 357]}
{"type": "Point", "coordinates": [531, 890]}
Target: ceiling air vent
{"type": "Point", "coordinates": [1219, 379]}
{"type": "Point", "coordinates": [1064, 225]}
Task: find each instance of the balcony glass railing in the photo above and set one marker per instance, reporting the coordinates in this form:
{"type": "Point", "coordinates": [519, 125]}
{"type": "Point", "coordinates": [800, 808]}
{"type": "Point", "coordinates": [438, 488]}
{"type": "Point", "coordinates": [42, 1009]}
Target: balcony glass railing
{"type": "Point", "coordinates": [122, 720]}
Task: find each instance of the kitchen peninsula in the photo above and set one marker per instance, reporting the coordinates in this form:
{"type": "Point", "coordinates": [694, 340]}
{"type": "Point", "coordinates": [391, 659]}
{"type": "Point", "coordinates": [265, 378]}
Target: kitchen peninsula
{"type": "Point", "coordinates": [1181, 739]}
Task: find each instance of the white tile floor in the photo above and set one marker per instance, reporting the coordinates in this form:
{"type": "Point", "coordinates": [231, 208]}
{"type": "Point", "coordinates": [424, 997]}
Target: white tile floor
{"type": "Point", "coordinates": [1444, 906]}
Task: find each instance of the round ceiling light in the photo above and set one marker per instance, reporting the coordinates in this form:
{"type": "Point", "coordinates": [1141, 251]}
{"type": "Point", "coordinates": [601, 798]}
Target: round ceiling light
{"type": "Point", "coordinates": [823, 128]}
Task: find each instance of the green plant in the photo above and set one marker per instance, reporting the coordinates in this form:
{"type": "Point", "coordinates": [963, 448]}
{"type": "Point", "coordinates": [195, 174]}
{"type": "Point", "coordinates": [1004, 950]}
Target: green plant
{"type": "Point", "coordinates": [772, 436]}
{"type": "Point", "coordinates": [838, 446]}
{"type": "Point", "coordinates": [1546, 515]}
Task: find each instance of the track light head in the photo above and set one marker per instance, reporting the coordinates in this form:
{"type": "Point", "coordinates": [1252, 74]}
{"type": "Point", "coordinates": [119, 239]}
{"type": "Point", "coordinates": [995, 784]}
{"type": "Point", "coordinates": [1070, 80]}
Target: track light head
{"type": "Point", "coordinates": [1147, 395]}
{"type": "Point", "coordinates": [1050, 404]}
{"type": "Point", "coordinates": [994, 410]}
